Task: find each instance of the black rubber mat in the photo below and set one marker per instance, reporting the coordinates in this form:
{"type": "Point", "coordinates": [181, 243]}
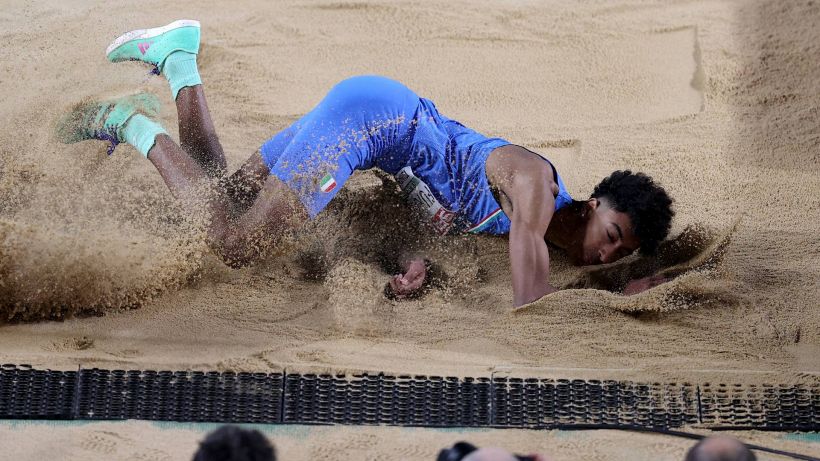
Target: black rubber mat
{"type": "Point", "coordinates": [769, 406]}
{"type": "Point", "coordinates": [26, 393]}
{"type": "Point", "coordinates": [189, 396]}
{"type": "Point", "coordinates": [380, 399]}
{"type": "Point", "coordinates": [550, 403]}
{"type": "Point", "coordinates": [180, 396]}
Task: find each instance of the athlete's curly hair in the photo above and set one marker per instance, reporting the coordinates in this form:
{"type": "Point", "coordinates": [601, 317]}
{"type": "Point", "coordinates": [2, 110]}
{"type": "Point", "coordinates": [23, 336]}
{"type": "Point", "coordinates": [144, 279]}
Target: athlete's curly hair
{"type": "Point", "coordinates": [648, 205]}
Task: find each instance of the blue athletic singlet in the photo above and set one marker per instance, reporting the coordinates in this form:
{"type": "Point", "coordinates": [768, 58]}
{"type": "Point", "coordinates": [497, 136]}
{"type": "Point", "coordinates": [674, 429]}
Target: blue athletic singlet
{"type": "Point", "coordinates": [374, 122]}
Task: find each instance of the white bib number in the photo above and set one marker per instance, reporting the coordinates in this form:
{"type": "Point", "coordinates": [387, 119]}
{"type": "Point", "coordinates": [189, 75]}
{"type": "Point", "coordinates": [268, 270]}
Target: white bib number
{"type": "Point", "coordinates": [421, 197]}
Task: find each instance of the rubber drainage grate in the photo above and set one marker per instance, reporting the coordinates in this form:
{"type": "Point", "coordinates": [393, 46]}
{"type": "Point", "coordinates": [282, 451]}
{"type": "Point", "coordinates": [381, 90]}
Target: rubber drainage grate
{"type": "Point", "coordinates": [433, 401]}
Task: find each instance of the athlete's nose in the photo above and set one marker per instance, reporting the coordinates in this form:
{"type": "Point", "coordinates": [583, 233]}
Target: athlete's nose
{"type": "Point", "coordinates": [606, 254]}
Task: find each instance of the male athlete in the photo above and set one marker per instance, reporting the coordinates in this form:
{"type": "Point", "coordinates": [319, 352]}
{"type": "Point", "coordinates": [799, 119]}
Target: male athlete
{"type": "Point", "coordinates": [462, 180]}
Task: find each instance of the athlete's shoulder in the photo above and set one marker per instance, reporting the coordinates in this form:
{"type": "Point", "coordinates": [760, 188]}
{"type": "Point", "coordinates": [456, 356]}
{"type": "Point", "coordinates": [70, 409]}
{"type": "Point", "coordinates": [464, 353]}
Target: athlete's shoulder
{"type": "Point", "coordinates": [506, 163]}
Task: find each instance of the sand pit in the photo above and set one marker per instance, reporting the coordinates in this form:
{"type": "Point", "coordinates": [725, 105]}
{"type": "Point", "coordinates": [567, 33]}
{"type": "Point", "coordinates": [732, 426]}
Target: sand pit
{"type": "Point", "coordinates": [717, 101]}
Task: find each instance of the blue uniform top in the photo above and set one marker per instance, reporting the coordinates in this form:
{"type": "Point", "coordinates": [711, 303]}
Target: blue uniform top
{"type": "Point", "coordinates": [451, 159]}
{"type": "Point", "coordinates": [371, 121]}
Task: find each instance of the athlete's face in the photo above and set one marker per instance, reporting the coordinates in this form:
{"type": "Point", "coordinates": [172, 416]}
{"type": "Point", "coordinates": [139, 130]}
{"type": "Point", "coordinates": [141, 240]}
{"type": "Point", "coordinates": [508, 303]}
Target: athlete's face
{"type": "Point", "coordinates": [609, 235]}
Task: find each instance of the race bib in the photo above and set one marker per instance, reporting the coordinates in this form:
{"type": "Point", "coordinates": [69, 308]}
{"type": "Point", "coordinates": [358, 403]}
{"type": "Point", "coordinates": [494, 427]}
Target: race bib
{"type": "Point", "coordinates": [419, 195]}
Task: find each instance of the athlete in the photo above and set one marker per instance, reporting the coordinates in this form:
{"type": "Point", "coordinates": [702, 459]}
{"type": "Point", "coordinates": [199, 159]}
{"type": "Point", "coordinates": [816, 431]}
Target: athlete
{"type": "Point", "coordinates": [461, 180]}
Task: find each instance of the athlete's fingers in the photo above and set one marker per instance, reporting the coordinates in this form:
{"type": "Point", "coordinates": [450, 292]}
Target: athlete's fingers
{"type": "Point", "coordinates": [413, 285]}
{"type": "Point", "coordinates": [407, 283]}
{"type": "Point", "coordinates": [400, 286]}
{"type": "Point", "coordinates": [415, 272]}
{"type": "Point", "coordinates": [395, 283]}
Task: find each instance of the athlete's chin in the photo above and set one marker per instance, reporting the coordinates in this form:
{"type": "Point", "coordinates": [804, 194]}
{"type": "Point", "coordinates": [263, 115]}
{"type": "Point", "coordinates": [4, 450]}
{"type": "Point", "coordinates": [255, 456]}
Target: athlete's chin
{"type": "Point", "coordinates": [586, 260]}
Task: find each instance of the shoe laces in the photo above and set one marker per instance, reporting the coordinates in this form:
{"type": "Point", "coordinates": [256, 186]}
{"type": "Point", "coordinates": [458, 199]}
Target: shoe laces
{"type": "Point", "coordinates": [105, 132]}
{"type": "Point", "coordinates": [154, 67]}
{"type": "Point", "coordinates": [108, 133]}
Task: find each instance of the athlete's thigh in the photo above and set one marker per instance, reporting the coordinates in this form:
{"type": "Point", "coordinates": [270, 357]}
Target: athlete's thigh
{"type": "Point", "coordinates": [318, 153]}
{"type": "Point", "coordinates": [276, 210]}
{"type": "Point", "coordinates": [254, 171]}
{"type": "Point", "coordinates": [357, 122]}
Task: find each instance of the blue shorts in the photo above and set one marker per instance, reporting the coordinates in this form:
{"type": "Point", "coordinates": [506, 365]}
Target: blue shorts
{"type": "Point", "coordinates": [367, 122]}
{"type": "Point", "coordinates": [363, 122]}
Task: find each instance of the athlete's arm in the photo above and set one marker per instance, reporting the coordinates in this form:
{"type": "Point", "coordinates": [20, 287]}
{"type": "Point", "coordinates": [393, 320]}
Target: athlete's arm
{"type": "Point", "coordinates": [527, 181]}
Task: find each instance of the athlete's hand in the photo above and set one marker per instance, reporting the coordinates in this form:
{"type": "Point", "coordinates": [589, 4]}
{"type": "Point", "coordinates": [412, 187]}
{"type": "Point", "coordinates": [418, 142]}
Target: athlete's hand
{"type": "Point", "coordinates": [403, 286]}
{"type": "Point", "coordinates": [638, 285]}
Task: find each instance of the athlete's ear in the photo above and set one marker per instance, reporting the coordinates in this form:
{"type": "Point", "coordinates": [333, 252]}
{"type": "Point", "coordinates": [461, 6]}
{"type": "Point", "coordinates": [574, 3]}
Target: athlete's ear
{"type": "Point", "coordinates": [593, 204]}
{"type": "Point", "coordinates": [588, 207]}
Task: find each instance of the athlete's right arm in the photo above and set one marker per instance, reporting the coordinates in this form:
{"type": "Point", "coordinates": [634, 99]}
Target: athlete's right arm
{"type": "Point", "coordinates": [528, 182]}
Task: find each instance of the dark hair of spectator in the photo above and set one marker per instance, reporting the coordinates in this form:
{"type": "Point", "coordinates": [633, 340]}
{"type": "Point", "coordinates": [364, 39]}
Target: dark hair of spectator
{"type": "Point", "coordinates": [232, 443]}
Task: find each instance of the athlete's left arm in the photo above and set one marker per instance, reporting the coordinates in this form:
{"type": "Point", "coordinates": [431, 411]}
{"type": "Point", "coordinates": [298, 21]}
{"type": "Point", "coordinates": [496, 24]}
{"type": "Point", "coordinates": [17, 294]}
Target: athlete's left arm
{"type": "Point", "coordinates": [528, 182]}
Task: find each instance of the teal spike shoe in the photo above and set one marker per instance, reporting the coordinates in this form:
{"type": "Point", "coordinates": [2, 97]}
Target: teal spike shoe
{"type": "Point", "coordinates": [105, 120]}
{"type": "Point", "coordinates": [152, 46]}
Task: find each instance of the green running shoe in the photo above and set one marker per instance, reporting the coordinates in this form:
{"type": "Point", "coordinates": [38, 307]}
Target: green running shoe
{"type": "Point", "coordinates": [154, 45]}
{"type": "Point", "coordinates": [105, 120]}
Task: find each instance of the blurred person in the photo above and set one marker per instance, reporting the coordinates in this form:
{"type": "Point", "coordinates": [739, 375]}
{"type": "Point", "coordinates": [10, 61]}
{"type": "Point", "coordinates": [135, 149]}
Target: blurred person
{"type": "Point", "coordinates": [464, 451]}
{"type": "Point", "coordinates": [720, 448]}
{"type": "Point", "coordinates": [233, 443]}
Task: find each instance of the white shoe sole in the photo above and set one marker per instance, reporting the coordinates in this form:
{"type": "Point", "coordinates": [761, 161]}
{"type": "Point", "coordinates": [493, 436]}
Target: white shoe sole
{"type": "Point", "coordinates": [141, 34]}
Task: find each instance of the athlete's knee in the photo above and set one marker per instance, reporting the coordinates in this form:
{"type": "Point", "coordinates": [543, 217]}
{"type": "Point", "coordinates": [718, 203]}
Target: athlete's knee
{"type": "Point", "coordinates": [235, 246]}
{"type": "Point", "coordinates": [279, 211]}
{"type": "Point", "coordinates": [235, 251]}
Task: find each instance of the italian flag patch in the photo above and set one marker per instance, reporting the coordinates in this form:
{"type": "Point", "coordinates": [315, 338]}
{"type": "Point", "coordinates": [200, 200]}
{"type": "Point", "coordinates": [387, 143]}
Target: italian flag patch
{"type": "Point", "coordinates": [327, 183]}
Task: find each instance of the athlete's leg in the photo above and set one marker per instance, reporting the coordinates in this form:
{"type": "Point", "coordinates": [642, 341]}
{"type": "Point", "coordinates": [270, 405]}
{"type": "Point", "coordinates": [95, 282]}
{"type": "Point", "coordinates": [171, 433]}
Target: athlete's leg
{"type": "Point", "coordinates": [244, 185]}
{"type": "Point", "coordinates": [172, 50]}
{"type": "Point", "coordinates": [197, 134]}
{"type": "Point", "coordinates": [308, 162]}
{"type": "Point", "coordinates": [239, 241]}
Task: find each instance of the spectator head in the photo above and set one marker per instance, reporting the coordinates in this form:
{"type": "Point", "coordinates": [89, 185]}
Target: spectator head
{"type": "Point", "coordinates": [463, 451]}
{"type": "Point", "coordinates": [720, 448]}
{"type": "Point", "coordinates": [232, 443]}
{"type": "Point", "coordinates": [491, 454]}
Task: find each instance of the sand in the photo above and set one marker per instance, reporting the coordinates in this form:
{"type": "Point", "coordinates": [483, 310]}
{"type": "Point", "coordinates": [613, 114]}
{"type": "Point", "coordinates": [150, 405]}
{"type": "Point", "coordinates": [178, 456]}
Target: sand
{"type": "Point", "coordinates": [717, 100]}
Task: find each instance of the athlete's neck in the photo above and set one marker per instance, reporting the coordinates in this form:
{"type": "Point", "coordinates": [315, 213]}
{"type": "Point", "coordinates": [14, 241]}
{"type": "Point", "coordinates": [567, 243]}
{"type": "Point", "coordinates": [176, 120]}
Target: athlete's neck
{"type": "Point", "coordinates": [566, 228]}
